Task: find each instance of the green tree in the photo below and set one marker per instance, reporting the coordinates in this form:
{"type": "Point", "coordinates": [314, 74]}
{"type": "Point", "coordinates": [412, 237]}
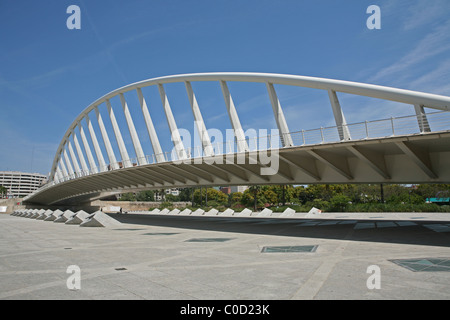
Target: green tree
{"type": "Point", "coordinates": [303, 194]}
{"type": "Point", "coordinates": [433, 190]}
{"type": "Point", "coordinates": [254, 191]}
{"type": "Point", "coordinates": [185, 194]}
{"type": "Point", "coordinates": [130, 196]}
{"type": "Point", "coordinates": [270, 196]}
{"type": "Point", "coordinates": [171, 198]}
{"type": "Point", "coordinates": [212, 195]}
{"type": "Point", "coordinates": [339, 202]}
{"type": "Point", "coordinates": [3, 191]}
{"type": "Point", "coordinates": [236, 197]}
{"type": "Point", "coordinates": [147, 195]}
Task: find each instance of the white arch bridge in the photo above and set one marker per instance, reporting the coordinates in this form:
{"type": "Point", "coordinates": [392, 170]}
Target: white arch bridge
{"type": "Point", "coordinates": [409, 149]}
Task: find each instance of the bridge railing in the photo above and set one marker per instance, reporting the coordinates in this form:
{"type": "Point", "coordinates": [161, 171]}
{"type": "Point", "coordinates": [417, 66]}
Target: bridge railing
{"type": "Point", "coordinates": [395, 126]}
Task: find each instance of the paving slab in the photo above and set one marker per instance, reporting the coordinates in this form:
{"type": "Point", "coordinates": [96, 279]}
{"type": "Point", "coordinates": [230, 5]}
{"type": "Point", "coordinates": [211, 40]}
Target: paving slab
{"type": "Point", "coordinates": [148, 256]}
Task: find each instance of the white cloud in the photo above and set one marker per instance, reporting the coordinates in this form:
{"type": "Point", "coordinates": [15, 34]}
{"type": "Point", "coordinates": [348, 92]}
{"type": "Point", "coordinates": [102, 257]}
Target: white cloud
{"type": "Point", "coordinates": [430, 46]}
{"type": "Point", "coordinates": [424, 12]}
{"type": "Point", "coordinates": [428, 82]}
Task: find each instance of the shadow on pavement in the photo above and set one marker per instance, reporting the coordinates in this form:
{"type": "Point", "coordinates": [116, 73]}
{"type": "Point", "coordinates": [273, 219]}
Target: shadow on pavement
{"type": "Point", "coordinates": [415, 234]}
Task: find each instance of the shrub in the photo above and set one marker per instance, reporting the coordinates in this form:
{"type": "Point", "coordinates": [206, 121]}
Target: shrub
{"type": "Point", "coordinates": [339, 203]}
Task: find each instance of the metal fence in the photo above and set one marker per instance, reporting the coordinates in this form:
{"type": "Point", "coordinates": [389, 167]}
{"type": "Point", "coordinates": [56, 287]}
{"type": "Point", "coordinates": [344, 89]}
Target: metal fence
{"type": "Point", "coordinates": [395, 126]}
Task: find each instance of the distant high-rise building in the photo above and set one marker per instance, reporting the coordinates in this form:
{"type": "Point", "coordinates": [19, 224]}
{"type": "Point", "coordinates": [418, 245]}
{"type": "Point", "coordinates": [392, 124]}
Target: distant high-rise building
{"type": "Point", "coordinates": [238, 188]}
{"type": "Point", "coordinates": [21, 184]}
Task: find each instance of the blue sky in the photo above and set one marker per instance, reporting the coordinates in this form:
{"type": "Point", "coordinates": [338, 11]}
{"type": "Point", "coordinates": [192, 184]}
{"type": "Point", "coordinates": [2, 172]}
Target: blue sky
{"type": "Point", "coordinates": [49, 74]}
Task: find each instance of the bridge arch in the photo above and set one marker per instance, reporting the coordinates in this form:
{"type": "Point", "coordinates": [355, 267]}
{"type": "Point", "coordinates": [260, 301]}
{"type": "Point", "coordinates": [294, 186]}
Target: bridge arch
{"type": "Point", "coordinates": [74, 158]}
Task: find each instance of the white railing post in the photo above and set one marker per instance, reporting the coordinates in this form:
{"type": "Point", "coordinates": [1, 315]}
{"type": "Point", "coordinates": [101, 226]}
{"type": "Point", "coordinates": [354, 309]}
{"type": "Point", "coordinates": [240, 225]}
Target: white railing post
{"type": "Point", "coordinates": [392, 125]}
{"type": "Point", "coordinates": [367, 130]}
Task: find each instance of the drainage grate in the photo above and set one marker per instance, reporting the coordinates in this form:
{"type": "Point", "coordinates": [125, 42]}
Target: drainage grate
{"type": "Point", "coordinates": [209, 239]}
{"type": "Point", "coordinates": [424, 264]}
{"type": "Point", "coordinates": [159, 233]}
{"type": "Point", "coordinates": [289, 249]}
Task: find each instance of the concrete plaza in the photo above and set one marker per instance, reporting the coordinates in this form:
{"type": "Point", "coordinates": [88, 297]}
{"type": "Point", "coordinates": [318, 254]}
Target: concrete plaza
{"type": "Point", "coordinates": [173, 257]}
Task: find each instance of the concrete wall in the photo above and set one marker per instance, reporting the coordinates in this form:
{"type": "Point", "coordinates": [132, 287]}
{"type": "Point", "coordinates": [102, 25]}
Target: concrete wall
{"type": "Point", "coordinates": [96, 205]}
{"type": "Point", "coordinates": [134, 205]}
{"type": "Point", "coordinates": [12, 204]}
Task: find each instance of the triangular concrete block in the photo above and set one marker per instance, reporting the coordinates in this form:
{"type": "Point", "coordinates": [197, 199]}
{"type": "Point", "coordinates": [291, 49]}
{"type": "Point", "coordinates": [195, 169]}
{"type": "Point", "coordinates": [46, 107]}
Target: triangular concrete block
{"type": "Point", "coordinates": [155, 211]}
{"type": "Point", "coordinates": [16, 212]}
{"type": "Point", "coordinates": [164, 211]}
{"type": "Point", "coordinates": [100, 219]}
{"type": "Point", "coordinates": [78, 218]}
{"type": "Point", "coordinates": [22, 213]}
{"type": "Point", "coordinates": [265, 213]}
{"type": "Point", "coordinates": [212, 212]}
{"type": "Point", "coordinates": [198, 212]}
{"type": "Point", "coordinates": [31, 213]}
{"type": "Point", "coordinates": [313, 212]}
{"type": "Point", "coordinates": [37, 214]}
{"type": "Point", "coordinates": [54, 215]}
{"type": "Point", "coordinates": [40, 214]}
{"type": "Point", "coordinates": [227, 212]}
{"type": "Point", "coordinates": [44, 215]}
{"type": "Point", "coordinates": [245, 213]}
{"type": "Point", "coordinates": [288, 212]}
{"type": "Point", "coordinates": [65, 216]}
{"type": "Point", "coordinates": [185, 212]}
{"type": "Point", "coordinates": [26, 213]}
{"type": "Point", "coordinates": [174, 212]}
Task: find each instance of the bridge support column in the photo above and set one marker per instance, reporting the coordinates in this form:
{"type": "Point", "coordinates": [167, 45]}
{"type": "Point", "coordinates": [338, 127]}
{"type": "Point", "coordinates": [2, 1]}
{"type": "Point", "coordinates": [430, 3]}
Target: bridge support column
{"type": "Point", "coordinates": [58, 175]}
{"type": "Point", "coordinates": [175, 134]}
{"type": "Point", "coordinates": [98, 151]}
{"type": "Point", "coordinates": [422, 118]}
{"type": "Point", "coordinates": [73, 157]}
{"type": "Point", "coordinates": [286, 138]}
{"type": "Point", "coordinates": [200, 124]}
{"type": "Point", "coordinates": [106, 141]}
{"type": "Point", "coordinates": [234, 118]}
{"type": "Point", "coordinates": [69, 165]}
{"type": "Point", "coordinates": [63, 167]}
{"type": "Point", "coordinates": [92, 165]}
{"type": "Point", "coordinates": [122, 149]}
{"type": "Point", "coordinates": [134, 136]}
{"type": "Point", "coordinates": [341, 124]}
{"type": "Point", "coordinates": [150, 128]}
{"type": "Point", "coordinates": [80, 153]}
